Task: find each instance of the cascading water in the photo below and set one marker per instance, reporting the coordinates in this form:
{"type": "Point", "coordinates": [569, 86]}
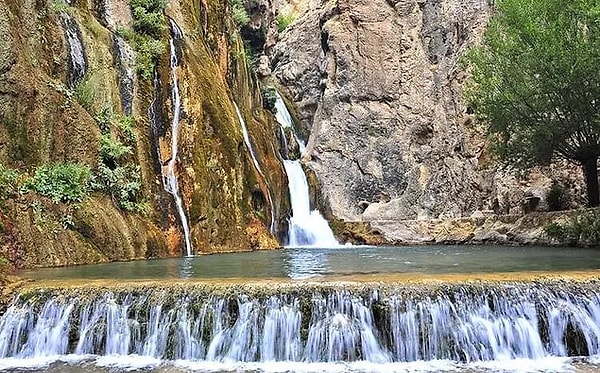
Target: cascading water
{"type": "Point", "coordinates": [125, 60]}
{"type": "Point", "coordinates": [246, 137]}
{"type": "Point", "coordinates": [307, 227]}
{"type": "Point", "coordinates": [170, 178]}
{"type": "Point", "coordinates": [76, 61]}
{"type": "Point", "coordinates": [306, 324]}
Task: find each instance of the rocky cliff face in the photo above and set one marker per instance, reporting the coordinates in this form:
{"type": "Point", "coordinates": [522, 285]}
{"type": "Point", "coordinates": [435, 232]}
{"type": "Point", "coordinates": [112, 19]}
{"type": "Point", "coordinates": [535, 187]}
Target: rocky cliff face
{"type": "Point", "coordinates": [71, 81]}
{"type": "Point", "coordinates": [377, 85]}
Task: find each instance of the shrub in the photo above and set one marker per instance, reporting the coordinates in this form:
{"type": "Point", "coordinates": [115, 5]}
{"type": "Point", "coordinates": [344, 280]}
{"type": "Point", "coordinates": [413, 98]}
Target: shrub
{"type": "Point", "coordinates": [284, 20]}
{"type": "Point", "coordinates": [580, 229]}
{"type": "Point", "coordinates": [125, 124]}
{"type": "Point", "coordinates": [112, 150]}
{"type": "Point", "coordinates": [103, 119]}
{"type": "Point", "coordinates": [148, 53]}
{"type": "Point", "coordinates": [60, 6]}
{"type": "Point", "coordinates": [239, 14]}
{"type": "Point", "coordinates": [149, 23]}
{"type": "Point", "coordinates": [269, 97]}
{"type": "Point", "coordinates": [556, 197]}
{"type": "Point", "coordinates": [85, 93]}
{"type": "Point", "coordinates": [9, 182]}
{"type": "Point", "coordinates": [124, 184]}
{"type": "Point", "coordinates": [63, 182]}
{"type": "Point", "coordinates": [148, 17]}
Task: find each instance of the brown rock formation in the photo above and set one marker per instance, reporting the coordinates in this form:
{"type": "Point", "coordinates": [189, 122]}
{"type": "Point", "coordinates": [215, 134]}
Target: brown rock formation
{"type": "Point", "coordinates": [377, 85]}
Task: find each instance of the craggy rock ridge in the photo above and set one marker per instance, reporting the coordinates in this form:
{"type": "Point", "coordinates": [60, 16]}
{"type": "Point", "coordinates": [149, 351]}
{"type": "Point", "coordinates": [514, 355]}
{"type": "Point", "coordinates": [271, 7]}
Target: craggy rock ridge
{"type": "Point", "coordinates": [49, 49]}
{"type": "Point", "coordinates": [377, 86]}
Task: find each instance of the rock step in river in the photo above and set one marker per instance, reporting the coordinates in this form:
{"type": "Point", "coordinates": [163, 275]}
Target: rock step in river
{"type": "Point", "coordinates": [462, 323]}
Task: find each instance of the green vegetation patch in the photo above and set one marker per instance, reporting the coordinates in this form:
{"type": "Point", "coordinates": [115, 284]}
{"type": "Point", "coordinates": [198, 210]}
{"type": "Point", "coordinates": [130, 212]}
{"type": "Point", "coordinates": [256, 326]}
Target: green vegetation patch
{"type": "Point", "coordinates": [117, 174]}
{"type": "Point", "coordinates": [238, 13]}
{"type": "Point", "coordinates": [148, 17]}
{"type": "Point", "coordinates": [535, 84]}
{"type": "Point", "coordinates": [284, 20]}
{"type": "Point", "coordinates": [61, 182]}
{"type": "Point", "coordinates": [9, 182]}
{"type": "Point", "coordinates": [149, 24]}
{"type": "Point", "coordinates": [582, 229]}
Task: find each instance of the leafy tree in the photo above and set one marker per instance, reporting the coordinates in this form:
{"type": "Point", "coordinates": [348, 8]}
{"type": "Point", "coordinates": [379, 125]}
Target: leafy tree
{"type": "Point", "coordinates": [536, 83]}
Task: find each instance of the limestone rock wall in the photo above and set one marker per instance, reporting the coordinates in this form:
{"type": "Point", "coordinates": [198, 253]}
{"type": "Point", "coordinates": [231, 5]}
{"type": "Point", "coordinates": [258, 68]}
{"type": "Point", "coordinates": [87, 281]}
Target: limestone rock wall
{"type": "Point", "coordinates": [377, 86]}
{"type": "Point", "coordinates": [42, 121]}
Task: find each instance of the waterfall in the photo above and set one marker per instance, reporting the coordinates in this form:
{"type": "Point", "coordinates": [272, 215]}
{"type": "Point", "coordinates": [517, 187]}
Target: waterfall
{"type": "Point", "coordinates": [124, 57]}
{"type": "Point", "coordinates": [170, 179]}
{"type": "Point", "coordinates": [76, 59]}
{"type": "Point", "coordinates": [306, 227]}
{"type": "Point", "coordinates": [256, 164]}
{"type": "Point", "coordinates": [309, 323]}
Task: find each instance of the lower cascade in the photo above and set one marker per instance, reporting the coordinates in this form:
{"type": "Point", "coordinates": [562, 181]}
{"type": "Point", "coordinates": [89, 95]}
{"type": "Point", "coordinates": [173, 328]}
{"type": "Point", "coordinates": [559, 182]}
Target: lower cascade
{"type": "Point", "coordinates": [308, 323]}
{"type": "Point", "coordinates": [306, 227]}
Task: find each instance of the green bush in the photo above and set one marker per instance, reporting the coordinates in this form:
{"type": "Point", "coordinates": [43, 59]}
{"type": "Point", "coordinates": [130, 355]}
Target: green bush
{"type": "Point", "coordinates": [125, 124]}
{"type": "Point", "coordinates": [103, 119]}
{"type": "Point", "coordinates": [269, 97]}
{"type": "Point", "coordinates": [112, 150]}
{"type": "Point", "coordinates": [556, 197]}
{"type": "Point", "coordinates": [149, 23]}
{"type": "Point", "coordinates": [85, 93]}
{"type": "Point", "coordinates": [148, 53]}
{"type": "Point", "coordinates": [148, 17]}
{"type": "Point", "coordinates": [580, 229]}
{"type": "Point", "coordinates": [284, 20]}
{"type": "Point", "coordinates": [63, 182]}
{"type": "Point", "coordinates": [239, 13]}
{"type": "Point", "coordinates": [60, 6]}
{"type": "Point", "coordinates": [9, 182]}
{"type": "Point", "coordinates": [124, 184]}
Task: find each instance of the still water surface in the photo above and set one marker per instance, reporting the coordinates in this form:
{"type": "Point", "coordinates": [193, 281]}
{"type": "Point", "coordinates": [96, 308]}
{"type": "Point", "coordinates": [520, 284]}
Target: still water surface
{"type": "Point", "coordinates": [304, 263]}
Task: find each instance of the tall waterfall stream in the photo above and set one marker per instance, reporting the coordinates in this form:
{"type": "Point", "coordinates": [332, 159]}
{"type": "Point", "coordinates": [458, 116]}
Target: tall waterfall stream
{"type": "Point", "coordinates": [324, 327]}
{"type": "Point", "coordinates": [170, 179]}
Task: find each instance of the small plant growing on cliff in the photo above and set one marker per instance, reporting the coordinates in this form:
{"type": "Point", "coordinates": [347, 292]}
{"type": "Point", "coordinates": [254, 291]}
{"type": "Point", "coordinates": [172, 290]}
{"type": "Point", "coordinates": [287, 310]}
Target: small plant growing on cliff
{"type": "Point", "coordinates": [63, 182]}
{"type": "Point", "coordinates": [60, 6]}
{"type": "Point", "coordinates": [112, 151]}
{"type": "Point", "coordinates": [148, 17]}
{"type": "Point", "coordinates": [85, 93]}
{"type": "Point", "coordinates": [284, 20]}
{"type": "Point", "coordinates": [9, 182]}
{"type": "Point", "coordinates": [124, 184]}
{"type": "Point", "coordinates": [239, 13]}
{"type": "Point", "coordinates": [269, 97]}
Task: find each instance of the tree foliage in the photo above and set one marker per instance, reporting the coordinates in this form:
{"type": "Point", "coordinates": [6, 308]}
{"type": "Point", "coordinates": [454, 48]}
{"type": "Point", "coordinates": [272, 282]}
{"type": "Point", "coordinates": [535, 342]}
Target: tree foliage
{"type": "Point", "coordinates": [536, 83]}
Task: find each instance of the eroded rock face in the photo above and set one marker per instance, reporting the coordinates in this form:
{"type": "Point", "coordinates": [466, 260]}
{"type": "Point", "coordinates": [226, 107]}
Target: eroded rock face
{"type": "Point", "coordinates": [377, 84]}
